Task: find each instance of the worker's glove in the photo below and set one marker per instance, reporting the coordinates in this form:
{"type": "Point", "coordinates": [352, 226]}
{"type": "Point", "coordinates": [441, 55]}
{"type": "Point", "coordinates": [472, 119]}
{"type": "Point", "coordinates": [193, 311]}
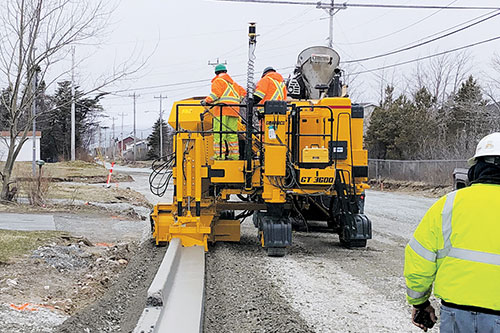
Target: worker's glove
{"type": "Point", "coordinates": [203, 103]}
{"type": "Point", "coordinates": [426, 310]}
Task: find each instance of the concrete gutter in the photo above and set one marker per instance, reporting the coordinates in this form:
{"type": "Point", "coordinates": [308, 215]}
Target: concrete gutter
{"type": "Point", "coordinates": [176, 295]}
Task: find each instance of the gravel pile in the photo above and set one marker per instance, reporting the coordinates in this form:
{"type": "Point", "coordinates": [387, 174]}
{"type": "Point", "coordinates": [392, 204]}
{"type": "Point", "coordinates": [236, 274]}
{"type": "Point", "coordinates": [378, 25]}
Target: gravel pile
{"type": "Point", "coordinates": [39, 321]}
{"type": "Point", "coordinates": [62, 257]}
{"type": "Point", "coordinates": [239, 297]}
{"type": "Point", "coordinates": [119, 309]}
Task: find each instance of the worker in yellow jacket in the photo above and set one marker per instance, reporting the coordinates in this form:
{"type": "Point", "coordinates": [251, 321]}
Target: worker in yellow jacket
{"type": "Point", "coordinates": [226, 92]}
{"type": "Point", "coordinates": [456, 247]}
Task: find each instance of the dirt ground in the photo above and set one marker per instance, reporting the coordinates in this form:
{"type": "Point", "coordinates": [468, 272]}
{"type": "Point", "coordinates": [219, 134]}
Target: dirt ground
{"type": "Point", "coordinates": [119, 309]}
{"type": "Point", "coordinates": [75, 171]}
{"type": "Point", "coordinates": [409, 187]}
{"type": "Point", "coordinates": [46, 277]}
{"type": "Point", "coordinates": [45, 286]}
{"type": "Point", "coordinates": [96, 193]}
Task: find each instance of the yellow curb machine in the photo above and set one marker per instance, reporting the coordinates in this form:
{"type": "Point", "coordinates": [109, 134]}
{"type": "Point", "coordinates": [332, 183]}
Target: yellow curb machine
{"type": "Point", "coordinates": [300, 160]}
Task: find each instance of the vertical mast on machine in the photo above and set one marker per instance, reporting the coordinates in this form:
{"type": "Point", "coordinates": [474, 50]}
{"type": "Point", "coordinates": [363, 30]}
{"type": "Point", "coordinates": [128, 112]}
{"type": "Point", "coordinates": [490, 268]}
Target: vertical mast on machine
{"type": "Point", "coordinates": [252, 42]}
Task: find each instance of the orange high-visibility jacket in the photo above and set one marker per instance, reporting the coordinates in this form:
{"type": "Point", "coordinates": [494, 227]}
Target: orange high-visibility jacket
{"type": "Point", "coordinates": [225, 91]}
{"type": "Point", "coordinates": [271, 88]}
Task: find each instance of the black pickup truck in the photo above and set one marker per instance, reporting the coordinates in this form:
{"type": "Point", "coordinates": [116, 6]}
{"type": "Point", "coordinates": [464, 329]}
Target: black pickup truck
{"type": "Point", "coordinates": [460, 178]}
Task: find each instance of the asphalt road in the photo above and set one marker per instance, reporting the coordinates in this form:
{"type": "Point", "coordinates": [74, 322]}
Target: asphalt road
{"type": "Point", "coordinates": [27, 222]}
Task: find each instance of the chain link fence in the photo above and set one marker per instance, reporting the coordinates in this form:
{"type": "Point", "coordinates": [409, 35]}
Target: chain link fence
{"type": "Point", "coordinates": [435, 172]}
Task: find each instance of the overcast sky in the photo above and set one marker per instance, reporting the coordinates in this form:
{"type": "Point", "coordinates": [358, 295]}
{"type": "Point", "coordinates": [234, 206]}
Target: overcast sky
{"type": "Point", "coordinates": [185, 35]}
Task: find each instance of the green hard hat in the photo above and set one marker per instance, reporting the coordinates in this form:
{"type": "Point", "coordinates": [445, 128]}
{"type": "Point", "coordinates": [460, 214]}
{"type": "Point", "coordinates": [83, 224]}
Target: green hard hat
{"type": "Point", "coordinates": [220, 68]}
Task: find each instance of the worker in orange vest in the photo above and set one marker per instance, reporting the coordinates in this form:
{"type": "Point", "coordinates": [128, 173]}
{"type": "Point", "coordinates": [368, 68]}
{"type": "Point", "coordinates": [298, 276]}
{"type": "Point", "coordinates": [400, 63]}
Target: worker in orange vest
{"type": "Point", "coordinates": [271, 87]}
{"type": "Point", "coordinates": [225, 91]}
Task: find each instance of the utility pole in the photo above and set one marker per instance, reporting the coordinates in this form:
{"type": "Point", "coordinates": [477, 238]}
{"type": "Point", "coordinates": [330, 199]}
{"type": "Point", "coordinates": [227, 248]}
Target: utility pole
{"type": "Point", "coordinates": [161, 121]}
{"type": "Point", "coordinates": [33, 111]}
{"type": "Point", "coordinates": [134, 96]}
{"type": "Point", "coordinates": [73, 116]}
{"type": "Point", "coordinates": [121, 134]}
{"type": "Point", "coordinates": [105, 128]}
{"type": "Point", "coordinates": [331, 12]}
{"type": "Point", "coordinates": [113, 139]}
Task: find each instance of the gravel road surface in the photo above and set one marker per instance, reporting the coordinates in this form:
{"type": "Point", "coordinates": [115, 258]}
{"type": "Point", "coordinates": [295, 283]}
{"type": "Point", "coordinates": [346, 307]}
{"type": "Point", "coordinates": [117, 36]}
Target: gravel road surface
{"type": "Point", "coordinates": [319, 286]}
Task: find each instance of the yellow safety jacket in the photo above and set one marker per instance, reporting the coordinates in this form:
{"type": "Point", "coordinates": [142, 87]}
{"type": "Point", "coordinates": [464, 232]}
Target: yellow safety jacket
{"type": "Point", "coordinates": [456, 246]}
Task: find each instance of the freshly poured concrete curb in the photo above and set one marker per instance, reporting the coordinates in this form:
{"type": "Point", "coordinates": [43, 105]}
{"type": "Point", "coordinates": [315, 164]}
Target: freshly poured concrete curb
{"type": "Point", "coordinates": [175, 297]}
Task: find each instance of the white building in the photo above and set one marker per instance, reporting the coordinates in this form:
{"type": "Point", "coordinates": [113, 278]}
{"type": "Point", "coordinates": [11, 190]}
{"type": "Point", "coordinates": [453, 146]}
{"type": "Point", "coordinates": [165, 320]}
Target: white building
{"type": "Point", "coordinates": [26, 153]}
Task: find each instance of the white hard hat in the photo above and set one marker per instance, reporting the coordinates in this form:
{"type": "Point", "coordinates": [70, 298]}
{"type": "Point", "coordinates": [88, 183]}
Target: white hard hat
{"type": "Point", "coordinates": [488, 146]}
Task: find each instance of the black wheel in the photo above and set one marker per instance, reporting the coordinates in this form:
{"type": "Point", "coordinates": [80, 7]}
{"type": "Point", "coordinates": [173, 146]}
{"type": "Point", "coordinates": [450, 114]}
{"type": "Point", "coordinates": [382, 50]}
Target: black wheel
{"type": "Point", "coordinates": [227, 215]}
{"type": "Point", "coordinates": [298, 223]}
{"type": "Point", "coordinates": [353, 243]}
{"type": "Point", "coordinates": [276, 251]}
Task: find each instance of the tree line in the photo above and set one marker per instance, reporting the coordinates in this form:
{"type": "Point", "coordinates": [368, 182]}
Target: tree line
{"type": "Point", "coordinates": [54, 121]}
{"type": "Point", "coordinates": [433, 119]}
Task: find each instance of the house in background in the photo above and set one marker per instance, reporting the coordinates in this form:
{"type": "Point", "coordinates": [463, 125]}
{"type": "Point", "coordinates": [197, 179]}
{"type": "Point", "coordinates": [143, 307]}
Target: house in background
{"type": "Point", "coordinates": [26, 153]}
{"type": "Point", "coordinates": [141, 151]}
{"type": "Point", "coordinates": [129, 140]}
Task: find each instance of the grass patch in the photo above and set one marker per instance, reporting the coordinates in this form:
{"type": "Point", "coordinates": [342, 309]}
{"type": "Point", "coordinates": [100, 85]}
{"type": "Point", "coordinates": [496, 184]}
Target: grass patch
{"type": "Point", "coordinates": [14, 244]}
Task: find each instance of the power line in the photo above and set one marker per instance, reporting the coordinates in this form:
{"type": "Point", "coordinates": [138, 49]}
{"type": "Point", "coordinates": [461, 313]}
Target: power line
{"type": "Point", "coordinates": [453, 27]}
{"type": "Point", "coordinates": [397, 31]}
{"type": "Point", "coordinates": [360, 5]}
{"type": "Point", "coordinates": [423, 43]}
{"type": "Point", "coordinates": [159, 86]}
{"type": "Point", "coordinates": [174, 84]}
{"type": "Point", "coordinates": [363, 5]}
{"type": "Point", "coordinates": [429, 56]}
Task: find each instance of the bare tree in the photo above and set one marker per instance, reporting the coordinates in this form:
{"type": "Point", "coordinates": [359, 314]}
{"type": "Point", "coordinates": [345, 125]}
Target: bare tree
{"type": "Point", "coordinates": [442, 75]}
{"type": "Point", "coordinates": [492, 91]}
{"type": "Point", "coordinates": [34, 36]}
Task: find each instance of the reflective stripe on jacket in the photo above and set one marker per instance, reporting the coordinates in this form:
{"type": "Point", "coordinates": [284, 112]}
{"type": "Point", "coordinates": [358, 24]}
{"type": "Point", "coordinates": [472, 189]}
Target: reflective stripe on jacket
{"type": "Point", "coordinates": [456, 246]}
{"type": "Point", "coordinates": [225, 91]}
{"type": "Point", "coordinates": [271, 88]}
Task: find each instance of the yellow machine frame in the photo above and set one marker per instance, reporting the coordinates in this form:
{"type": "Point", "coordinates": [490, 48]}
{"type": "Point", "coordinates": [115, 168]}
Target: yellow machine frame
{"type": "Point", "coordinates": [203, 186]}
